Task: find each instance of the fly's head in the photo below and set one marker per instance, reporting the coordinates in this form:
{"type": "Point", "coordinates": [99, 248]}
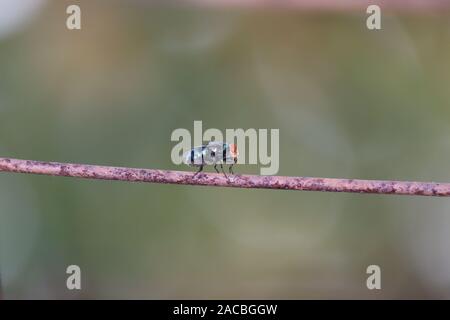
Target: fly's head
{"type": "Point", "coordinates": [234, 152]}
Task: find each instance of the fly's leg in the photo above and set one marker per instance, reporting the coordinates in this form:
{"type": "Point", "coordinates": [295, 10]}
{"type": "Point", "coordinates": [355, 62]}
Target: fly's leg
{"type": "Point", "coordinates": [199, 170]}
{"type": "Point", "coordinates": [221, 167]}
{"type": "Point", "coordinates": [230, 168]}
{"type": "Point", "coordinates": [215, 168]}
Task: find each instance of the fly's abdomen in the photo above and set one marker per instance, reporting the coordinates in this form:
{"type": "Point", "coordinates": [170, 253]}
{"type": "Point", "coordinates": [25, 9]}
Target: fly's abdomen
{"type": "Point", "coordinates": [195, 157]}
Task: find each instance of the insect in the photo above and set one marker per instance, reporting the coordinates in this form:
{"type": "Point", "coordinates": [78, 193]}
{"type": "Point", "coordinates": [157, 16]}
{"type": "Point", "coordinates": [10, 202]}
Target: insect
{"type": "Point", "coordinates": [214, 153]}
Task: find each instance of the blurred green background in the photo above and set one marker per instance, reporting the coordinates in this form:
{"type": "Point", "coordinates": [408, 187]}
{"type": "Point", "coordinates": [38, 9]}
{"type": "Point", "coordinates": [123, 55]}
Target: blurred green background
{"type": "Point", "coordinates": [349, 102]}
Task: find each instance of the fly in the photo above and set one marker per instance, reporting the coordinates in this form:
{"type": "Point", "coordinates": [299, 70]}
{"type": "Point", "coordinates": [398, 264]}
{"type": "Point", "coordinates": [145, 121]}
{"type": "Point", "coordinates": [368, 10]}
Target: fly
{"type": "Point", "coordinates": [214, 153]}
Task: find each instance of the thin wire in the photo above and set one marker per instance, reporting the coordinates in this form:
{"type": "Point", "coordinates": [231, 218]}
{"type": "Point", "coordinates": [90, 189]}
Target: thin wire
{"type": "Point", "coordinates": [413, 188]}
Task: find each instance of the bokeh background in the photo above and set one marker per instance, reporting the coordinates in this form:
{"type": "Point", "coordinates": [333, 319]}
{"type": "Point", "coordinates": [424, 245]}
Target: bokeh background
{"type": "Point", "coordinates": [349, 102]}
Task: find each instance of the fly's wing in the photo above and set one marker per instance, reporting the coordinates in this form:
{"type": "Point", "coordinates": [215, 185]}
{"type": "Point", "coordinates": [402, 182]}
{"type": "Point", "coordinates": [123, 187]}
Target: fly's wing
{"type": "Point", "coordinates": [196, 156]}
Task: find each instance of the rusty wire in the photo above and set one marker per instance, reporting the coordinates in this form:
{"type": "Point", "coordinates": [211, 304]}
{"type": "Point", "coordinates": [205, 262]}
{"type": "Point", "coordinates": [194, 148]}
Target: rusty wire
{"type": "Point", "coordinates": [412, 188]}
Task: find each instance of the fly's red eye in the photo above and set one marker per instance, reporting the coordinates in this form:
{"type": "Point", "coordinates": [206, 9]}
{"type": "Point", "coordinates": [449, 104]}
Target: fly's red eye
{"type": "Point", "coordinates": [233, 150]}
